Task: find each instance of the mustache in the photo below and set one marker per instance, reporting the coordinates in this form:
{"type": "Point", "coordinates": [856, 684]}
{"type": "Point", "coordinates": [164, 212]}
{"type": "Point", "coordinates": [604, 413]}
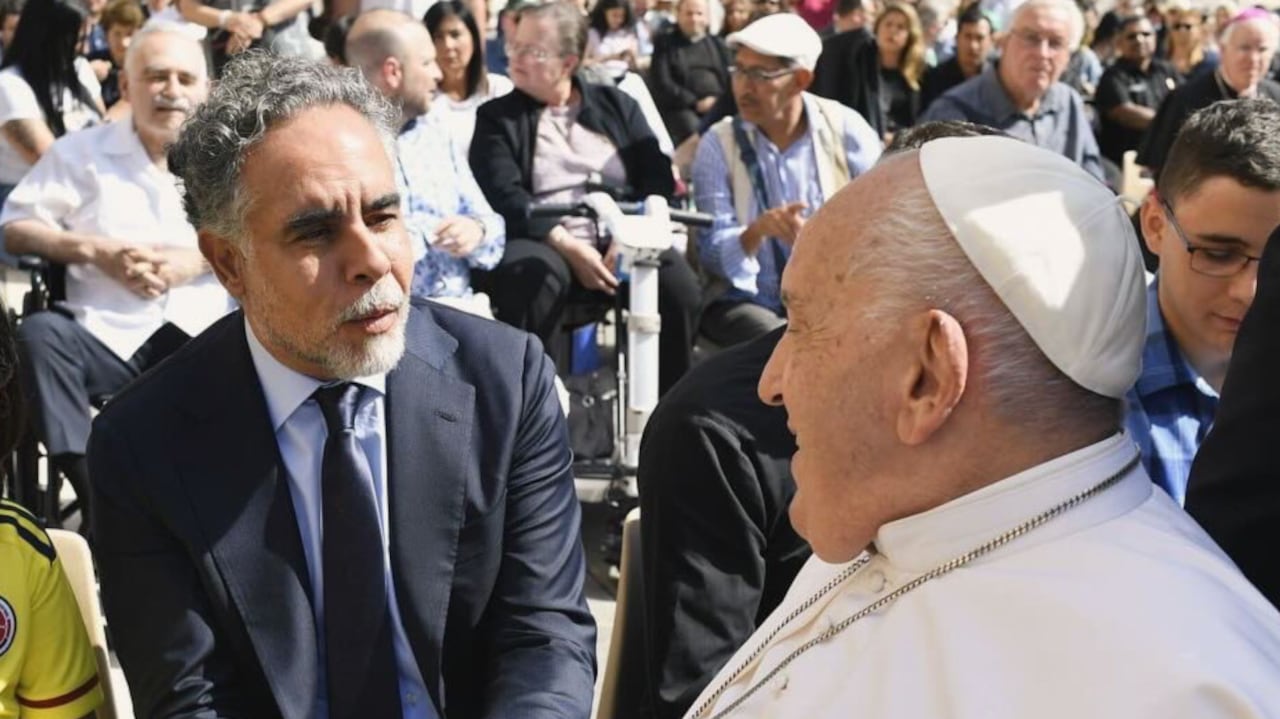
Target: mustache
{"type": "Point", "coordinates": [181, 104]}
{"type": "Point", "coordinates": [385, 296]}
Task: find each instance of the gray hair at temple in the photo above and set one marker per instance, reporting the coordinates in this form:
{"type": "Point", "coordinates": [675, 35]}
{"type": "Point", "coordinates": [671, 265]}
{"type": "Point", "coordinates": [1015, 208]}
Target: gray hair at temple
{"type": "Point", "coordinates": [1019, 383]}
{"type": "Point", "coordinates": [257, 92]}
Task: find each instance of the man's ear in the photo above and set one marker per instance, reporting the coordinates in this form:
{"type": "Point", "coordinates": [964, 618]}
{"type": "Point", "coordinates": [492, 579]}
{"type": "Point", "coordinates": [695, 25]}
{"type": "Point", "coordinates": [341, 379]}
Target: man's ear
{"type": "Point", "coordinates": [392, 73]}
{"type": "Point", "coordinates": [227, 261]}
{"type": "Point", "coordinates": [122, 81]}
{"type": "Point", "coordinates": [804, 78]}
{"type": "Point", "coordinates": [1152, 221]}
{"type": "Point", "coordinates": [939, 371]}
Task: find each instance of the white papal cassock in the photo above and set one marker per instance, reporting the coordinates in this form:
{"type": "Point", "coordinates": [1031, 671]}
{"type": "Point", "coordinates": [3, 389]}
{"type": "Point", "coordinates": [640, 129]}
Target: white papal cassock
{"type": "Point", "coordinates": [1119, 607]}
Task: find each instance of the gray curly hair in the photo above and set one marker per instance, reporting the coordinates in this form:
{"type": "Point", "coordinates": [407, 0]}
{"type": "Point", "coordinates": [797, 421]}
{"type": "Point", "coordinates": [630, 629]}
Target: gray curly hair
{"type": "Point", "coordinates": [258, 91]}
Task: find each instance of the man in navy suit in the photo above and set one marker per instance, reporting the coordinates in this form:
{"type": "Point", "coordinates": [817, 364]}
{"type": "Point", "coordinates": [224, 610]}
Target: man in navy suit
{"type": "Point", "coordinates": [337, 502]}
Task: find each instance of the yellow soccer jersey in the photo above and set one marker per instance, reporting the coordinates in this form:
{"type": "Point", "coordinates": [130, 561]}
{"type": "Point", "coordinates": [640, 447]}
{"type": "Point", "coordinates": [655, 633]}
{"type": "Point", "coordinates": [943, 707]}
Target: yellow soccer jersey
{"type": "Point", "coordinates": [47, 668]}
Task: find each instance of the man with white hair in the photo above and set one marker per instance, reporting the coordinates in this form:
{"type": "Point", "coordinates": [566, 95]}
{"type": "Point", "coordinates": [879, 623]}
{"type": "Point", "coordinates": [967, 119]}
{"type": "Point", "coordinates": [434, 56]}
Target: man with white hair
{"type": "Point", "coordinates": [1022, 94]}
{"type": "Point", "coordinates": [762, 172]}
{"type": "Point", "coordinates": [987, 543]}
{"type": "Point", "coordinates": [1247, 44]}
{"type": "Point", "coordinates": [103, 203]}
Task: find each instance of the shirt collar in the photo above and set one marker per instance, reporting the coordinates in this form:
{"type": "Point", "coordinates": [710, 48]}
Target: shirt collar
{"type": "Point", "coordinates": [923, 541]}
{"type": "Point", "coordinates": [123, 140]}
{"type": "Point", "coordinates": [1163, 364]}
{"type": "Point", "coordinates": [993, 96]}
{"type": "Point", "coordinates": [810, 112]}
{"type": "Point", "coordinates": [287, 389]}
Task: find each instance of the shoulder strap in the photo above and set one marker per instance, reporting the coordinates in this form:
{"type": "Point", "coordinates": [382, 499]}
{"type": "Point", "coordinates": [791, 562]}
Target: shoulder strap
{"type": "Point", "coordinates": [747, 153]}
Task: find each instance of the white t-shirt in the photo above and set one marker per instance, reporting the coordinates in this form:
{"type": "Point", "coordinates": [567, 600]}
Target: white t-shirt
{"type": "Point", "coordinates": [460, 115]}
{"type": "Point", "coordinates": [18, 102]}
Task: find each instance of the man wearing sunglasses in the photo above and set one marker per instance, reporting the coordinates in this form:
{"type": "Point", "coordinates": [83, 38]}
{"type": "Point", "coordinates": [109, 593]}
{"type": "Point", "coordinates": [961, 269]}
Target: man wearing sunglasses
{"type": "Point", "coordinates": [1217, 200]}
{"type": "Point", "coordinates": [1132, 89]}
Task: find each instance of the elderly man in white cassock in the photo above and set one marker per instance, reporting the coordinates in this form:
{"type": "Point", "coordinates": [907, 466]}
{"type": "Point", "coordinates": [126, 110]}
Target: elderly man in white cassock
{"type": "Point", "coordinates": [964, 321]}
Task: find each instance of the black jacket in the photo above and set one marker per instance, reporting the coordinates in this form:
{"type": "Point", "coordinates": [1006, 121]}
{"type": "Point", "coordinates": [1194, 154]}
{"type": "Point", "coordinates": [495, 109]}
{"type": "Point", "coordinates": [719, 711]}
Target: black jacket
{"type": "Point", "coordinates": [848, 71]}
{"type": "Point", "coordinates": [684, 72]}
{"type": "Point", "coordinates": [502, 151]}
{"type": "Point", "coordinates": [1234, 490]}
{"type": "Point", "coordinates": [719, 549]}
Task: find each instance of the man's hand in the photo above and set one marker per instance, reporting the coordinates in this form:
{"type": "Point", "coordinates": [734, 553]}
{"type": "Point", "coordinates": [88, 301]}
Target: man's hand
{"type": "Point", "coordinates": [704, 105]}
{"type": "Point", "coordinates": [782, 222]}
{"type": "Point", "coordinates": [585, 261]}
{"type": "Point", "coordinates": [247, 24]}
{"type": "Point", "coordinates": [133, 266]}
{"type": "Point", "coordinates": [179, 265]}
{"type": "Point", "coordinates": [459, 236]}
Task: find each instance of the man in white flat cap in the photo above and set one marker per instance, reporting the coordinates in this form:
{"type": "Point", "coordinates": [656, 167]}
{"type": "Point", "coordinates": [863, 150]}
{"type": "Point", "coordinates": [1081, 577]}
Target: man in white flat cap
{"type": "Point", "coordinates": [964, 323]}
{"type": "Point", "coordinates": [762, 172]}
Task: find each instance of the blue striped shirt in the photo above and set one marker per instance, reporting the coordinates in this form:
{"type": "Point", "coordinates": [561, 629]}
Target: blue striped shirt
{"type": "Point", "coordinates": [1170, 408]}
{"type": "Point", "coordinates": [436, 183]}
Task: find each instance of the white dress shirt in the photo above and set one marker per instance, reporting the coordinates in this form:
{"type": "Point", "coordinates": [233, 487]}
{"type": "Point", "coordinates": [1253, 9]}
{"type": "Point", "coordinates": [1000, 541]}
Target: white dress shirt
{"type": "Point", "coordinates": [1119, 607]}
{"type": "Point", "coordinates": [101, 181]}
{"type": "Point", "coordinates": [301, 434]}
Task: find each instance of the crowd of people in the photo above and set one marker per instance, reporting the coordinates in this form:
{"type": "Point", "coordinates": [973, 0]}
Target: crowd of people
{"type": "Point", "coordinates": [959, 418]}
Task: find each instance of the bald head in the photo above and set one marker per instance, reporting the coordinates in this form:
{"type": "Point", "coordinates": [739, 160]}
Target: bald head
{"type": "Point", "coordinates": [395, 54]}
{"type": "Point", "coordinates": [376, 35]}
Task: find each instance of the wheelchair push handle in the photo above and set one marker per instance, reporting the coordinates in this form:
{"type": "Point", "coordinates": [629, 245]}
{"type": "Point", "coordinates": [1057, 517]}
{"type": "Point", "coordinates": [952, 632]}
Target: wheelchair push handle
{"type": "Point", "coordinates": [582, 209]}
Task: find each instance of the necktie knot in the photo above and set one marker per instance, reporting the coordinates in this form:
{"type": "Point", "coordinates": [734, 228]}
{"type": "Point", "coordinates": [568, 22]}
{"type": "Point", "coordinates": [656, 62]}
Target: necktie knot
{"type": "Point", "coordinates": [338, 404]}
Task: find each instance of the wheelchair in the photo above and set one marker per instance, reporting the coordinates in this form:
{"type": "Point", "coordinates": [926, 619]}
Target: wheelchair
{"type": "Point", "coordinates": [23, 467]}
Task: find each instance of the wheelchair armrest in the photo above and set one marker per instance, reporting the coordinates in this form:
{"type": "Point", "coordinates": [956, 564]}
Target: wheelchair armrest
{"type": "Point", "coordinates": [32, 263]}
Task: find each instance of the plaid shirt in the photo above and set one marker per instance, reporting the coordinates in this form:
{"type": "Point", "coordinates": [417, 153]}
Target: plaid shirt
{"type": "Point", "coordinates": [1170, 408]}
{"type": "Point", "coordinates": [436, 182]}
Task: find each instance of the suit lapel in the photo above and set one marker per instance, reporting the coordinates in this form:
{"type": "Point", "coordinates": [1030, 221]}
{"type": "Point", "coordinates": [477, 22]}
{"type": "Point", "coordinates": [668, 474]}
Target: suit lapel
{"type": "Point", "coordinates": [430, 463]}
{"type": "Point", "coordinates": [241, 499]}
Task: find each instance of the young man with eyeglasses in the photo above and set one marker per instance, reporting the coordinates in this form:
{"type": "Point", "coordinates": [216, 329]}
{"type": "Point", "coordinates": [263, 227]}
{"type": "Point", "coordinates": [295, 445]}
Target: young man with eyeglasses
{"type": "Point", "coordinates": [1132, 89]}
{"type": "Point", "coordinates": [1217, 199]}
{"type": "Point", "coordinates": [1022, 94]}
{"type": "Point", "coordinates": [764, 171]}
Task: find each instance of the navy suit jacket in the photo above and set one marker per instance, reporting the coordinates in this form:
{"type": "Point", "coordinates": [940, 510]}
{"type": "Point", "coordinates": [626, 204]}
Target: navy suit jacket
{"type": "Point", "coordinates": [203, 574]}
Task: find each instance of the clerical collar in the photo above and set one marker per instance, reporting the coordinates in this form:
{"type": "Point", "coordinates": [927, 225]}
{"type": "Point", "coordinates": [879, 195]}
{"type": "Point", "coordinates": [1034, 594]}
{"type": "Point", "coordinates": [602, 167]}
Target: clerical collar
{"type": "Point", "coordinates": [922, 541]}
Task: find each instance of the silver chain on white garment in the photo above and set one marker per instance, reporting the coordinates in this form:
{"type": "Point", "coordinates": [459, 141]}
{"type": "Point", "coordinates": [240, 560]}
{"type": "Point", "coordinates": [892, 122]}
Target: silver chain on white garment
{"type": "Point", "coordinates": [886, 600]}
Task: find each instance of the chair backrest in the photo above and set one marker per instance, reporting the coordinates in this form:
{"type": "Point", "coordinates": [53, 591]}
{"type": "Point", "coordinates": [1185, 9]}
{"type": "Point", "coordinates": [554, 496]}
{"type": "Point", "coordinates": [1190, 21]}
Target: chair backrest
{"type": "Point", "coordinates": [623, 691]}
{"type": "Point", "coordinates": [77, 563]}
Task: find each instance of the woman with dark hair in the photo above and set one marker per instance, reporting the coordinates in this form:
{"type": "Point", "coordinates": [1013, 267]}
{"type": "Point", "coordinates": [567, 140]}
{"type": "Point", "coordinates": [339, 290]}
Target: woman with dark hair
{"type": "Point", "coordinates": [615, 40]}
{"type": "Point", "coordinates": [46, 91]}
{"type": "Point", "coordinates": [464, 82]}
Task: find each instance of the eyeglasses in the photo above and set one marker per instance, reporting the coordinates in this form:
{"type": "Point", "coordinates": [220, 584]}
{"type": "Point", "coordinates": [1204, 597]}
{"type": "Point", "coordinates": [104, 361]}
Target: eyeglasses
{"type": "Point", "coordinates": [758, 74]}
{"type": "Point", "coordinates": [533, 52]}
{"type": "Point", "coordinates": [1183, 26]}
{"type": "Point", "coordinates": [1209, 261]}
{"type": "Point", "coordinates": [1035, 39]}
{"type": "Point", "coordinates": [1138, 36]}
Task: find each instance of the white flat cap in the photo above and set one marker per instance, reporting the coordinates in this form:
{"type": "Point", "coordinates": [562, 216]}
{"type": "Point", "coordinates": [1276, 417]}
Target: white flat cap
{"type": "Point", "coordinates": [1054, 244]}
{"type": "Point", "coordinates": [782, 35]}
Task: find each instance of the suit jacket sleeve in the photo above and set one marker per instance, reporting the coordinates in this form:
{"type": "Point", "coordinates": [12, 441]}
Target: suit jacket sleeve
{"type": "Point", "coordinates": [542, 634]}
{"type": "Point", "coordinates": [1234, 490]}
{"type": "Point", "coordinates": [705, 535]}
{"type": "Point", "coordinates": [157, 605]}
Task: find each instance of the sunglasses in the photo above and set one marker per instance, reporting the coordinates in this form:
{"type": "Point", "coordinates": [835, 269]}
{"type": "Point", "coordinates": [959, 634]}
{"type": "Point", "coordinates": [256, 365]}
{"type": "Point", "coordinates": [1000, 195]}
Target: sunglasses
{"type": "Point", "coordinates": [1184, 26]}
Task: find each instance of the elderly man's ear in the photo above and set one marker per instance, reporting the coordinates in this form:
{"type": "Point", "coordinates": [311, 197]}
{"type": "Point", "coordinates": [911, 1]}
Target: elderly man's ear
{"type": "Point", "coordinates": [936, 371]}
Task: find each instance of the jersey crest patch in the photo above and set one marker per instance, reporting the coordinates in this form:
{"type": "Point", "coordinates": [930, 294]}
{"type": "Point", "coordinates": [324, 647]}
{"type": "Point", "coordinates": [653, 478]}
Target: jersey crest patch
{"type": "Point", "coordinates": [8, 626]}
